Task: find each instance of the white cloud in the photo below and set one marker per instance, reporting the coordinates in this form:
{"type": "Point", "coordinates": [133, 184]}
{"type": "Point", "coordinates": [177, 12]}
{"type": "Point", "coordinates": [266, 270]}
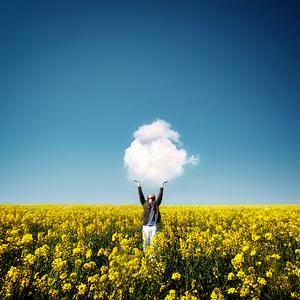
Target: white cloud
{"type": "Point", "coordinates": [158, 129]}
{"type": "Point", "coordinates": [153, 156]}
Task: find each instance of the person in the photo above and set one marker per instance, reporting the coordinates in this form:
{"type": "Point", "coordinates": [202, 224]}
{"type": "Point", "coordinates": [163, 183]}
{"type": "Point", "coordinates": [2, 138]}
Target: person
{"type": "Point", "coordinates": [151, 214]}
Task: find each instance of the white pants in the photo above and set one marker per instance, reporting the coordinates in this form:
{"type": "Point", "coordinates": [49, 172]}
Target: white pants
{"type": "Point", "coordinates": [148, 234]}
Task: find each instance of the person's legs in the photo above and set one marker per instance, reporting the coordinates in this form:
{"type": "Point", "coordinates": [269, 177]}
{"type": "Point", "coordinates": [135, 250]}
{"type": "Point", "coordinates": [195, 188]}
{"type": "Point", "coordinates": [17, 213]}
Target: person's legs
{"type": "Point", "coordinates": [152, 233]}
{"type": "Point", "coordinates": [146, 236]}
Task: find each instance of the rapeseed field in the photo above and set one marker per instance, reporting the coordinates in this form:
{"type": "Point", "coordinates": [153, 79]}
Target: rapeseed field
{"type": "Point", "coordinates": [200, 252]}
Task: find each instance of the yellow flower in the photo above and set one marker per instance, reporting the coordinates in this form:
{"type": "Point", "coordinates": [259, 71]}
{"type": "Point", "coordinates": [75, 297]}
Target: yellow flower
{"type": "Point", "coordinates": [171, 295]}
{"type": "Point", "coordinates": [269, 274]}
{"type": "Point", "coordinates": [216, 294]}
{"type": "Point", "coordinates": [255, 237]}
{"type": "Point", "coordinates": [231, 290]}
{"type": "Point", "coordinates": [76, 251]}
{"type": "Point", "coordinates": [100, 252]}
{"type": "Point", "coordinates": [66, 287]}
{"type": "Point", "coordinates": [238, 260]}
{"type": "Point", "coordinates": [93, 279]}
{"type": "Point", "coordinates": [240, 274]}
{"type": "Point", "coordinates": [89, 265]}
{"type": "Point", "coordinates": [245, 248]}
{"type": "Point", "coordinates": [58, 264]}
{"type": "Point", "coordinates": [114, 237]}
{"type": "Point", "coordinates": [30, 259]}
{"type": "Point", "coordinates": [103, 278]}
{"type": "Point", "coordinates": [42, 251]}
{"type": "Point", "coordinates": [64, 238]}
{"type": "Point", "coordinates": [295, 295]}
{"type": "Point", "coordinates": [78, 263]}
{"type": "Point", "coordinates": [27, 238]}
{"type": "Point", "coordinates": [24, 282]}
{"type": "Point", "coordinates": [269, 236]}
{"type": "Point", "coordinates": [53, 293]}
{"type": "Point", "coordinates": [63, 276]}
{"type": "Point", "coordinates": [60, 241]}
{"type": "Point", "coordinates": [275, 256]}
{"type": "Point", "coordinates": [176, 276]}
{"type": "Point", "coordinates": [3, 248]}
{"type": "Point", "coordinates": [13, 274]}
{"type": "Point", "coordinates": [81, 289]}
{"type": "Point", "coordinates": [162, 287]}
{"type": "Point", "coordinates": [244, 291]}
{"type": "Point", "coordinates": [188, 296]}
{"type": "Point", "coordinates": [51, 281]}
{"type": "Point", "coordinates": [89, 253]}
{"type": "Point", "coordinates": [261, 281]}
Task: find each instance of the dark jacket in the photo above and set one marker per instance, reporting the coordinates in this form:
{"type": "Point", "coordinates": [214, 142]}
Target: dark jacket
{"type": "Point", "coordinates": [146, 205]}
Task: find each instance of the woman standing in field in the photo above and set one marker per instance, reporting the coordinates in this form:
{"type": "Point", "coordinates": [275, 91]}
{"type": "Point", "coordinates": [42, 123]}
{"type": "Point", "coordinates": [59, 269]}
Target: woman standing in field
{"type": "Point", "coordinates": [151, 214]}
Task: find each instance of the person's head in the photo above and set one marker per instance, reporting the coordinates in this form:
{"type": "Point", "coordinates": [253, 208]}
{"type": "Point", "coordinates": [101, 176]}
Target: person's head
{"type": "Point", "coordinates": [151, 198]}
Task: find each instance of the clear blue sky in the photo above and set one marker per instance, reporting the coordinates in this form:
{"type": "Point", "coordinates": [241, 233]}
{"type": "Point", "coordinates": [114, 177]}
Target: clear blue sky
{"type": "Point", "coordinates": [78, 77]}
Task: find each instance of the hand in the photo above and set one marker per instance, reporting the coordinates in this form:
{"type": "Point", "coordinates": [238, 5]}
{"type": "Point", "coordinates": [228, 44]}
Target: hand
{"type": "Point", "coordinates": [138, 183]}
{"type": "Point", "coordinates": [162, 185]}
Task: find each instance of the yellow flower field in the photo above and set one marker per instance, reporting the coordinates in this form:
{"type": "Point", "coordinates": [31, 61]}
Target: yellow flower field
{"type": "Point", "coordinates": [200, 252]}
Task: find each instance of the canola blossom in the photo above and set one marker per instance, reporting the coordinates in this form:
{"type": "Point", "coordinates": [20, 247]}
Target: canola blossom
{"type": "Point", "coordinates": [199, 252]}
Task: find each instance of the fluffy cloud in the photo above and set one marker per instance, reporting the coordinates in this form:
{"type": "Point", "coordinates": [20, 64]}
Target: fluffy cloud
{"type": "Point", "coordinates": [154, 155]}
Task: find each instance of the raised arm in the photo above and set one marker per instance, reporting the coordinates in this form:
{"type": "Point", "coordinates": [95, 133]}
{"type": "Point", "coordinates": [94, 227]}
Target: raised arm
{"type": "Point", "coordinates": [141, 195]}
{"type": "Point", "coordinates": [160, 195]}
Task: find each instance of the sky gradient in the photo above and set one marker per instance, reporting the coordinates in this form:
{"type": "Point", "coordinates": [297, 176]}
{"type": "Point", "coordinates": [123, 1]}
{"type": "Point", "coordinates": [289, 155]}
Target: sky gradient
{"type": "Point", "coordinates": [77, 78]}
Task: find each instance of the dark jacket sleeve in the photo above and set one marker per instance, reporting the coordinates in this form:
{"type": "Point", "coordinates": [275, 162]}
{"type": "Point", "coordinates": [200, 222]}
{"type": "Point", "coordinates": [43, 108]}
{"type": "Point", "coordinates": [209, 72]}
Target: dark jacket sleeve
{"type": "Point", "coordinates": [159, 197]}
{"type": "Point", "coordinates": [141, 195]}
